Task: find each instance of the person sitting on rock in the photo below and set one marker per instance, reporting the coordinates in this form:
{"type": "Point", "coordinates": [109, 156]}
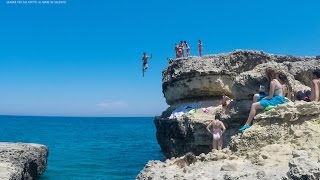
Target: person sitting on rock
{"type": "Point", "coordinates": [188, 159]}
{"type": "Point", "coordinates": [216, 128]}
{"type": "Point", "coordinates": [312, 95]}
{"type": "Point", "coordinates": [274, 98]}
{"type": "Point", "coordinates": [315, 87]}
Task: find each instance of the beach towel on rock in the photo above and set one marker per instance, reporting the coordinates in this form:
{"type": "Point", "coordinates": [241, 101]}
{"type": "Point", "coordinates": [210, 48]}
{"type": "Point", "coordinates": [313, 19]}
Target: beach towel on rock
{"type": "Point", "coordinates": [184, 109]}
{"type": "Point", "coordinates": [274, 101]}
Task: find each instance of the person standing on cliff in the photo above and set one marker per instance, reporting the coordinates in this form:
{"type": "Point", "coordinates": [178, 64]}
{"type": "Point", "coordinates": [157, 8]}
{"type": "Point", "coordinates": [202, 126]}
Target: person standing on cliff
{"type": "Point", "coordinates": [176, 50]}
{"type": "Point", "coordinates": [187, 47]}
{"type": "Point", "coordinates": [181, 50]}
{"type": "Point", "coordinates": [200, 48]}
{"type": "Point", "coordinates": [145, 59]}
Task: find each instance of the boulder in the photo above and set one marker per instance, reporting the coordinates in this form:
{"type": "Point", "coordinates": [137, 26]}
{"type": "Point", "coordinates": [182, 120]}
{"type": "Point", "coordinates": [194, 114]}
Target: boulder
{"type": "Point", "coordinates": [22, 160]}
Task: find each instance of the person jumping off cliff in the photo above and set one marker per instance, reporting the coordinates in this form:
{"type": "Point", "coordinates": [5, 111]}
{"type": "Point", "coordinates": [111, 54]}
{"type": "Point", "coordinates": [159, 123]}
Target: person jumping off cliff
{"type": "Point", "coordinates": [145, 59]}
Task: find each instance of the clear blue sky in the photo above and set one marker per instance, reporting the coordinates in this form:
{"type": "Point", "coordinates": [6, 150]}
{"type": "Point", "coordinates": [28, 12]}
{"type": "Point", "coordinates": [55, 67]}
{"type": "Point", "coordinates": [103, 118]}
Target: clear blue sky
{"type": "Point", "coordinates": [83, 58]}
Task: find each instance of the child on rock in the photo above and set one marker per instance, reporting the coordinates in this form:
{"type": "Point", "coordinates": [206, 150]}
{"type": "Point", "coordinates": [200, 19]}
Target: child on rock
{"type": "Point", "coordinates": [217, 128]}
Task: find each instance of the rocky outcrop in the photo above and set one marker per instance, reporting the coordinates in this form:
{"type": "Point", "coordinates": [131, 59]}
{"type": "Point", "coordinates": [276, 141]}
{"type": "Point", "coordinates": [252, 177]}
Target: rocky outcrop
{"type": "Point", "coordinates": [283, 143]}
{"type": "Point", "coordinates": [22, 160]}
{"type": "Point", "coordinates": [202, 77]}
{"type": "Point", "coordinates": [204, 80]}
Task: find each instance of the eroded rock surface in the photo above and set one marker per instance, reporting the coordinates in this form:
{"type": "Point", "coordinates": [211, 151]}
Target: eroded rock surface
{"type": "Point", "coordinates": [283, 143]}
{"type": "Point", "coordinates": [237, 74]}
{"type": "Point", "coordinates": [22, 160]}
{"type": "Point", "coordinates": [202, 77]}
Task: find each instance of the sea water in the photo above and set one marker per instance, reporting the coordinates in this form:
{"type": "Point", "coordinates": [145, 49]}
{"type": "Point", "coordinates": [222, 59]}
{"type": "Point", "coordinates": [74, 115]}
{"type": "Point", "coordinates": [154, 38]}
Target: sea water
{"type": "Point", "coordinates": [87, 148]}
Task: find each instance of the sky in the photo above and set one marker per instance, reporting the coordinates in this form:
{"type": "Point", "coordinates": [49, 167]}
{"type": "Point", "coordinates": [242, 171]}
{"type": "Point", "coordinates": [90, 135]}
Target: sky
{"type": "Point", "coordinates": [83, 57]}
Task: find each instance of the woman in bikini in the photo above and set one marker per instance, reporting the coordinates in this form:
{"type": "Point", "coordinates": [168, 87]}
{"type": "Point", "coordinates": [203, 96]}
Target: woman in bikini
{"type": "Point", "coordinates": [216, 128]}
{"type": "Point", "coordinates": [274, 98]}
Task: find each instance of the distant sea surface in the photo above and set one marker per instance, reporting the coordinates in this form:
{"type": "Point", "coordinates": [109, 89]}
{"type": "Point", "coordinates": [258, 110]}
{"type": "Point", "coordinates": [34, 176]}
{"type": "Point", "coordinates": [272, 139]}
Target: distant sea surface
{"type": "Point", "coordinates": [87, 148]}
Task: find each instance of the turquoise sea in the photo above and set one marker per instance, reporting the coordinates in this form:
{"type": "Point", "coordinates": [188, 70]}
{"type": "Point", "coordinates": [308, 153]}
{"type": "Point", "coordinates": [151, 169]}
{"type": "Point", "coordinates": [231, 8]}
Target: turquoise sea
{"type": "Point", "coordinates": [87, 148]}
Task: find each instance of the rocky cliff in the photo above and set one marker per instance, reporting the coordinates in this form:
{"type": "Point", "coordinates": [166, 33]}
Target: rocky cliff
{"type": "Point", "coordinates": [281, 144]}
{"type": "Point", "coordinates": [203, 81]}
{"type": "Point", "coordinates": [22, 161]}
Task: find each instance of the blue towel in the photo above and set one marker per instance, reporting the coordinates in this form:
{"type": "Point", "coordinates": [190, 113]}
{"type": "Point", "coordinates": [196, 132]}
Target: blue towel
{"type": "Point", "coordinates": [275, 100]}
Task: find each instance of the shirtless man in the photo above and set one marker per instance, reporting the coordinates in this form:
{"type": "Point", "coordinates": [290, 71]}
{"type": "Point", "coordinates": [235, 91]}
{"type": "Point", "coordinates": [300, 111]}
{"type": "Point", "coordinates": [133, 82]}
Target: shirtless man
{"type": "Point", "coordinates": [315, 86]}
{"type": "Point", "coordinates": [176, 50]}
{"type": "Point", "coordinates": [145, 59]}
{"type": "Point", "coordinates": [187, 47]}
{"type": "Point", "coordinates": [180, 50]}
{"type": "Point", "coordinates": [314, 94]}
{"type": "Point", "coordinates": [200, 47]}
{"type": "Point", "coordinates": [216, 128]}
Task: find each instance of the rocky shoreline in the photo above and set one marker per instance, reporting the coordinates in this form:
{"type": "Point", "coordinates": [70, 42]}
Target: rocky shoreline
{"type": "Point", "coordinates": [22, 160]}
{"type": "Point", "coordinates": [283, 143]}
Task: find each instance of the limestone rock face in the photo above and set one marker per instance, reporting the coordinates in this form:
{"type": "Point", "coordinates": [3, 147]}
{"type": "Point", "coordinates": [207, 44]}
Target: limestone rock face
{"type": "Point", "coordinates": [194, 77]}
{"type": "Point", "coordinates": [283, 143]}
{"type": "Point", "coordinates": [237, 74]}
{"type": "Point", "coordinates": [22, 161]}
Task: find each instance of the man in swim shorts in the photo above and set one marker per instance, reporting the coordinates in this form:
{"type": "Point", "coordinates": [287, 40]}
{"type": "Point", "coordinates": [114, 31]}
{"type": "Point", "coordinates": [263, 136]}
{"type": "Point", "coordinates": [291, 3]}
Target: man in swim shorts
{"type": "Point", "coordinates": [145, 59]}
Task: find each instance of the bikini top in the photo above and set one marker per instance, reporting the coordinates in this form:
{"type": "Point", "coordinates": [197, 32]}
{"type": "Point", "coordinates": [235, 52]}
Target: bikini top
{"type": "Point", "coordinates": [278, 88]}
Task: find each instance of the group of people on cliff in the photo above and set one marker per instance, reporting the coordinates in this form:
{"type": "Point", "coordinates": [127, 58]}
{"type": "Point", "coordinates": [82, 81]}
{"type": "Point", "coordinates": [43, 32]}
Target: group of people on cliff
{"type": "Point", "coordinates": [278, 91]}
{"type": "Point", "coordinates": [277, 95]}
{"type": "Point", "coordinates": [179, 50]}
{"type": "Point", "coordinates": [183, 47]}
